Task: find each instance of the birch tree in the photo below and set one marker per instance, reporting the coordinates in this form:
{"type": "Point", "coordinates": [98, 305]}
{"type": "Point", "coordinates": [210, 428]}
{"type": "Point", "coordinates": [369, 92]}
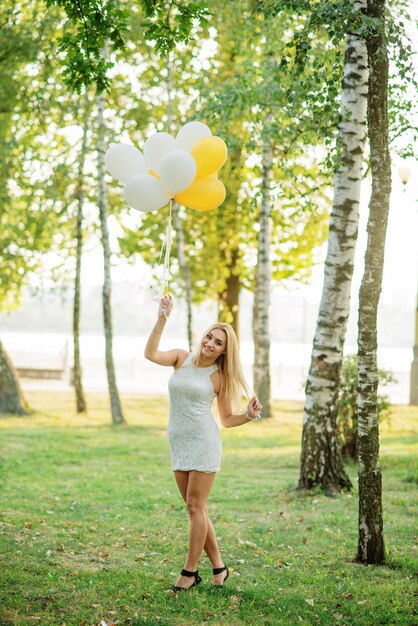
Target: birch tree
{"type": "Point", "coordinates": [11, 396]}
{"type": "Point", "coordinates": [321, 462]}
{"type": "Point", "coordinates": [81, 405]}
{"type": "Point", "coordinates": [261, 306]}
{"type": "Point", "coordinates": [370, 541]}
{"type": "Point", "coordinates": [177, 221]}
{"type": "Point", "coordinates": [115, 404]}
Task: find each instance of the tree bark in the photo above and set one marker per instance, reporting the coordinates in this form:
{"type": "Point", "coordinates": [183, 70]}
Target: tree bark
{"type": "Point", "coordinates": [371, 547]}
{"type": "Point", "coordinates": [117, 415]}
{"type": "Point", "coordinates": [185, 270]}
{"type": "Point", "coordinates": [261, 317]}
{"type": "Point", "coordinates": [11, 396]}
{"type": "Point", "coordinates": [81, 405]}
{"type": "Point", "coordinates": [228, 300]}
{"type": "Point", "coordinates": [178, 226]}
{"type": "Point", "coordinates": [321, 461]}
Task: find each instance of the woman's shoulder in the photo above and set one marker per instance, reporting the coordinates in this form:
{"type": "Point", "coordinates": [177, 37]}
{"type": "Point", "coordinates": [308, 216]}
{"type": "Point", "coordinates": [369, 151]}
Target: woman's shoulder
{"type": "Point", "coordinates": [182, 357]}
{"type": "Point", "coordinates": [216, 381]}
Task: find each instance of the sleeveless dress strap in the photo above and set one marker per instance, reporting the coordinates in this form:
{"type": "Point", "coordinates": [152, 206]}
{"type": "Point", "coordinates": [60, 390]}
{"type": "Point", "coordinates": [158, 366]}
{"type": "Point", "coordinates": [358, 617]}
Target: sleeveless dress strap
{"type": "Point", "coordinates": [187, 360]}
{"type": "Point", "coordinates": [212, 369]}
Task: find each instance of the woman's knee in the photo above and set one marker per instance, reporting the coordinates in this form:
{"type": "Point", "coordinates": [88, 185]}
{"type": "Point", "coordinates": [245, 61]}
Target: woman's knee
{"type": "Point", "coordinates": [195, 505]}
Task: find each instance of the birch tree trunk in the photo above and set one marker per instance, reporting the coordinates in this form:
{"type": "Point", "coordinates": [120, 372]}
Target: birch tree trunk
{"type": "Point", "coordinates": [178, 226]}
{"type": "Point", "coordinates": [117, 415]}
{"type": "Point", "coordinates": [81, 405]}
{"type": "Point", "coordinates": [371, 547]}
{"type": "Point", "coordinates": [228, 300]}
{"type": "Point", "coordinates": [261, 317]}
{"type": "Point", "coordinates": [11, 396]}
{"type": "Point", "coordinates": [185, 270]}
{"type": "Point", "coordinates": [321, 461]}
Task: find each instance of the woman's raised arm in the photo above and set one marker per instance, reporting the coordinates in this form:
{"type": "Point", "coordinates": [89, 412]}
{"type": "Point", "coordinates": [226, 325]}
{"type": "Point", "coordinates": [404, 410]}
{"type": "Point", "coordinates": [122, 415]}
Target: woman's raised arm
{"type": "Point", "coordinates": [151, 352]}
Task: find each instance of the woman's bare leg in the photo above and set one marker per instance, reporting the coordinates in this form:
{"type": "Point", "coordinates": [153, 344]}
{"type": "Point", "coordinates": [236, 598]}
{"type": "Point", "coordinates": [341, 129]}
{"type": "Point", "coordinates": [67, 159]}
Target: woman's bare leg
{"type": "Point", "coordinates": [194, 488]}
{"type": "Point", "coordinates": [211, 545]}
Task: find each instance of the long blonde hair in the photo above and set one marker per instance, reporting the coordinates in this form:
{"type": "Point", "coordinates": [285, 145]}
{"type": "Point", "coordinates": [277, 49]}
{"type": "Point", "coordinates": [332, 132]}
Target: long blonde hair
{"type": "Point", "coordinates": [232, 378]}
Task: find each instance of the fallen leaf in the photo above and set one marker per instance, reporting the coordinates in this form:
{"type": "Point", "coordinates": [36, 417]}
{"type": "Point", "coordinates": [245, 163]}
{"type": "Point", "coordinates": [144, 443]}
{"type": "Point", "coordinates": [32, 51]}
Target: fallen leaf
{"type": "Point", "coordinates": [309, 601]}
{"type": "Point", "coordinates": [347, 595]}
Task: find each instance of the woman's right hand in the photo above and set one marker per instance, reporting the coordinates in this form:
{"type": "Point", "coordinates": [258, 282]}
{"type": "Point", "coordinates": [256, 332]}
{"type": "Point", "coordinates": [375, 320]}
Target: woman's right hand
{"type": "Point", "coordinates": [254, 408]}
{"type": "Point", "coordinates": [166, 306]}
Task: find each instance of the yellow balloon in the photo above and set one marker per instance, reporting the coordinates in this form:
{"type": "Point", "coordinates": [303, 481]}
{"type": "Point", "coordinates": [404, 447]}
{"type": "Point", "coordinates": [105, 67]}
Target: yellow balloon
{"type": "Point", "coordinates": [203, 194]}
{"type": "Point", "coordinates": [210, 154]}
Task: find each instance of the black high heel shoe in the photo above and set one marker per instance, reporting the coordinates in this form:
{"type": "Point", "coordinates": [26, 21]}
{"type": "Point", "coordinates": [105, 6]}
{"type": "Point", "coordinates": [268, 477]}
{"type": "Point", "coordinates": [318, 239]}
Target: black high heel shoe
{"type": "Point", "coordinates": [219, 570]}
{"type": "Point", "coordinates": [185, 572]}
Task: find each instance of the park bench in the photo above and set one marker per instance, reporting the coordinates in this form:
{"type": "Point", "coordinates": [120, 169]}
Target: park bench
{"type": "Point", "coordinates": [41, 361]}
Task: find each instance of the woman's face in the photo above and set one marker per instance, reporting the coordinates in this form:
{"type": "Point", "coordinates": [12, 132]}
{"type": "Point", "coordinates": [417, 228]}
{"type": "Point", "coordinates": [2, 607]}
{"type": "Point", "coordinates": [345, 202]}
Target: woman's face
{"type": "Point", "coordinates": [214, 343]}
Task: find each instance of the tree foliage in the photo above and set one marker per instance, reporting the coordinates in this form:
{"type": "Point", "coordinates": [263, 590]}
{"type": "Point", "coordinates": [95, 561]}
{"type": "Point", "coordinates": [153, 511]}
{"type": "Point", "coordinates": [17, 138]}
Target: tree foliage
{"type": "Point", "coordinates": [92, 24]}
{"type": "Point", "coordinates": [170, 22]}
{"type": "Point", "coordinates": [348, 404]}
{"type": "Point", "coordinates": [335, 20]}
{"type": "Point", "coordinates": [242, 96]}
{"type": "Point", "coordinates": [34, 190]}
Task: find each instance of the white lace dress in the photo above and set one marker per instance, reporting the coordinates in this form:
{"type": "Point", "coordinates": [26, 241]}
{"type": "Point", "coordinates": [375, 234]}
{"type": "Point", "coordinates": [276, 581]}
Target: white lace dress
{"type": "Point", "coordinates": [193, 433]}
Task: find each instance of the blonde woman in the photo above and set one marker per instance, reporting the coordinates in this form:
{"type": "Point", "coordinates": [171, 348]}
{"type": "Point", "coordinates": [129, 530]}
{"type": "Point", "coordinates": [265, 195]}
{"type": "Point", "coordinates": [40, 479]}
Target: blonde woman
{"type": "Point", "coordinates": [214, 370]}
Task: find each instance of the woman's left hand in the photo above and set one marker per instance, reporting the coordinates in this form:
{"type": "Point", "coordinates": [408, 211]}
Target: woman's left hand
{"type": "Point", "coordinates": [254, 407]}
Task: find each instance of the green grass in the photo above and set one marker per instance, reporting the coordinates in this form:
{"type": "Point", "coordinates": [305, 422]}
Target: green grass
{"type": "Point", "coordinates": [93, 528]}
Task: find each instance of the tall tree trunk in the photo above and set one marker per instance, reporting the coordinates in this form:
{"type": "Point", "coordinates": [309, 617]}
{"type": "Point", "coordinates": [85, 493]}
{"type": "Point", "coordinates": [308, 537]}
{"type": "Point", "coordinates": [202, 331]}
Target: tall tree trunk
{"type": "Point", "coordinates": [78, 382]}
{"type": "Point", "coordinates": [371, 547]}
{"type": "Point", "coordinates": [178, 226]}
{"type": "Point", "coordinates": [117, 415]}
{"type": "Point", "coordinates": [11, 396]}
{"type": "Point", "coordinates": [261, 316]}
{"type": "Point", "coordinates": [321, 462]}
{"type": "Point", "coordinates": [228, 300]}
{"type": "Point", "coordinates": [185, 270]}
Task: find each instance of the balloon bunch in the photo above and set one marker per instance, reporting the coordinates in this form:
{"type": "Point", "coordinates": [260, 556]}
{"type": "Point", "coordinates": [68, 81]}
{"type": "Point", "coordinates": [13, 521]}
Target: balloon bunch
{"type": "Point", "coordinates": [183, 169]}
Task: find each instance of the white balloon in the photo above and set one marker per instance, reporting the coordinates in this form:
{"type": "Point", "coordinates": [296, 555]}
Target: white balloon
{"type": "Point", "coordinates": [190, 133]}
{"type": "Point", "coordinates": [145, 193]}
{"type": "Point", "coordinates": [156, 147]}
{"type": "Point", "coordinates": [123, 161]}
{"type": "Point", "coordinates": [177, 171]}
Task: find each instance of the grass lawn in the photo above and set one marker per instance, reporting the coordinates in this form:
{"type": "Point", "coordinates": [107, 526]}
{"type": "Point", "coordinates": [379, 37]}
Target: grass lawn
{"type": "Point", "coordinates": [93, 527]}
